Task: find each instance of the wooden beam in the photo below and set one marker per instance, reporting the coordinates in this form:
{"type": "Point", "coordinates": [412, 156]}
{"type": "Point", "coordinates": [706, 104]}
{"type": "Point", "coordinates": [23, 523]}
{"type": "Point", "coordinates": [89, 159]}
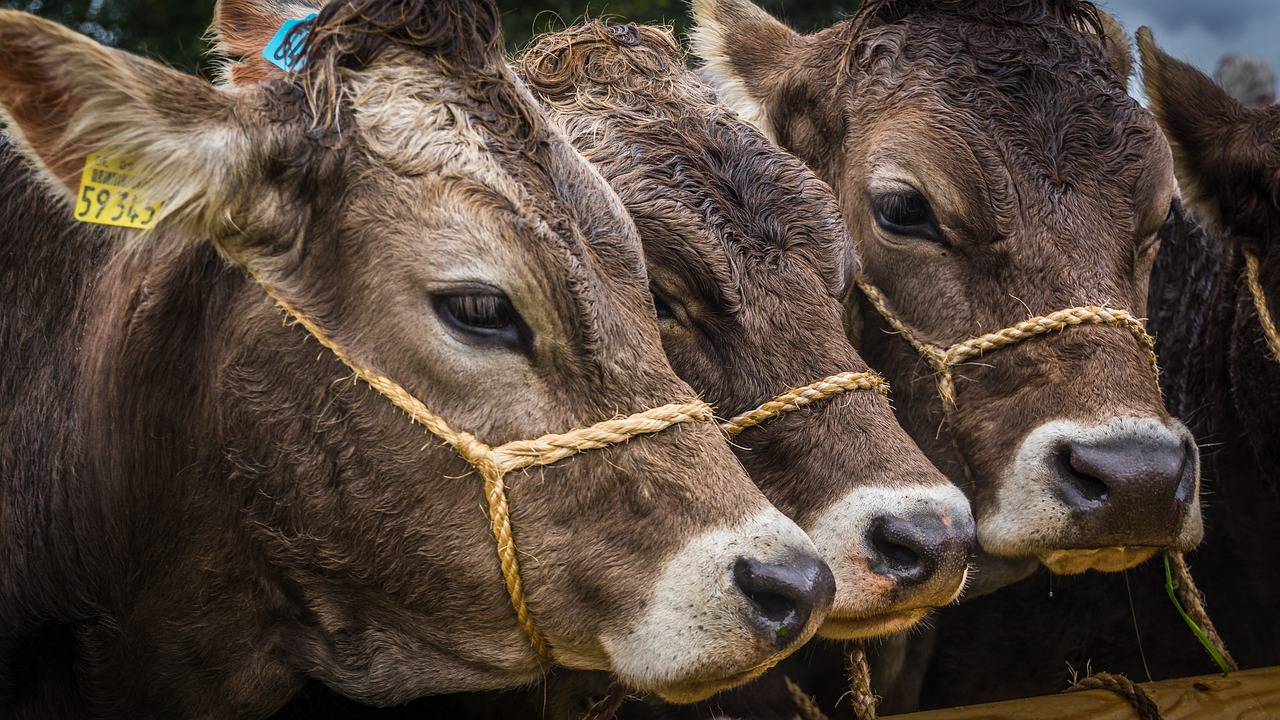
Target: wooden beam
{"type": "Point", "coordinates": [1252, 694]}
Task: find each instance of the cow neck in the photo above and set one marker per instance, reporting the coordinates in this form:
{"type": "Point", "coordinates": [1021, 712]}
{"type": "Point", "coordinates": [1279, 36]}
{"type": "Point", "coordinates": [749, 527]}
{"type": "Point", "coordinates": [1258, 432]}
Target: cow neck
{"type": "Point", "coordinates": [1260, 304]}
{"type": "Point", "coordinates": [493, 463]}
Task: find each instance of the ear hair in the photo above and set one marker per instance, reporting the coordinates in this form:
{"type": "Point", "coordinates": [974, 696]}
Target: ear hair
{"type": "Point", "coordinates": [1116, 42]}
{"type": "Point", "coordinates": [66, 96]}
{"type": "Point", "coordinates": [242, 28]}
{"type": "Point", "coordinates": [726, 30]}
{"type": "Point", "coordinates": [1225, 165]}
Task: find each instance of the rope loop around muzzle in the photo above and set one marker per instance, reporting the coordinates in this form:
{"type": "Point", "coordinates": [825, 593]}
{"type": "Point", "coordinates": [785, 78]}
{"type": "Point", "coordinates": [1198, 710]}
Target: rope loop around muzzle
{"type": "Point", "coordinates": [1252, 277]}
{"type": "Point", "coordinates": [493, 463]}
{"type": "Point", "coordinates": [944, 360]}
{"type": "Point", "coordinates": [797, 398]}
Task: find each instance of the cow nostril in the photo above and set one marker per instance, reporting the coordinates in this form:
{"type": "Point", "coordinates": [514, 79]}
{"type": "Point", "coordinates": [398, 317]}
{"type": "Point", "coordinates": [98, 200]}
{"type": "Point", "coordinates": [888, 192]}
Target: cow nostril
{"type": "Point", "coordinates": [782, 598]}
{"type": "Point", "coordinates": [904, 549]}
{"type": "Point", "coordinates": [1083, 488]}
{"type": "Point", "coordinates": [893, 553]}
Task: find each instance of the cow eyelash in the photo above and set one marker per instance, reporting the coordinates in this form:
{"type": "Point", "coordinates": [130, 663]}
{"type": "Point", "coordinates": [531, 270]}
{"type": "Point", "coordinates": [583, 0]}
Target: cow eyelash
{"type": "Point", "coordinates": [660, 306]}
{"type": "Point", "coordinates": [485, 318]}
{"type": "Point", "coordinates": [908, 213]}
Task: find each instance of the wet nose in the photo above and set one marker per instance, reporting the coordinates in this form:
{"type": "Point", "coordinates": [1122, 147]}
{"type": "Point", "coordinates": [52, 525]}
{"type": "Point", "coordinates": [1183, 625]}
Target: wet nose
{"type": "Point", "coordinates": [1126, 490]}
{"type": "Point", "coordinates": [782, 598]}
{"type": "Point", "coordinates": [919, 549]}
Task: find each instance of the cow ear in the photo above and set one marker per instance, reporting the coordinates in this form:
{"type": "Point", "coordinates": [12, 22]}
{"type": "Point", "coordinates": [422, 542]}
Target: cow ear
{"type": "Point", "coordinates": [66, 97]}
{"type": "Point", "coordinates": [1116, 42]}
{"type": "Point", "coordinates": [1225, 155]}
{"type": "Point", "coordinates": [784, 83]}
{"type": "Point", "coordinates": [242, 29]}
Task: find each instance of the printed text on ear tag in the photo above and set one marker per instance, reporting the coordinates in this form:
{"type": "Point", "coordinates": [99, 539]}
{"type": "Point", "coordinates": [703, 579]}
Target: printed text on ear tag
{"type": "Point", "coordinates": [285, 51]}
{"type": "Point", "coordinates": [109, 194]}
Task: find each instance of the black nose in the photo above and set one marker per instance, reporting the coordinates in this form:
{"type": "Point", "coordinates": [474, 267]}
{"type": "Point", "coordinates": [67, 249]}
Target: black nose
{"type": "Point", "coordinates": [921, 549]}
{"type": "Point", "coordinates": [782, 598]}
{"type": "Point", "coordinates": [1127, 490]}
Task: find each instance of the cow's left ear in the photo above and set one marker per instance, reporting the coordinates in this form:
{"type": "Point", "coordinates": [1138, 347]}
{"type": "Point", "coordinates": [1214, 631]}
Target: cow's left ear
{"type": "Point", "coordinates": [1116, 42]}
{"type": "Point", "coordinates": [72, 103]}
{"type": "Point", "coordinates": [242, 29]}
{"type": "Point", "coordinates": [1226, 155]}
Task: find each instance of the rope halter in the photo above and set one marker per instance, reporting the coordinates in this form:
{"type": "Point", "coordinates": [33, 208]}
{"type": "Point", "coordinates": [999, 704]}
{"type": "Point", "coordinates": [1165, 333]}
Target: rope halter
{"type": "Point", "coordinates": [492, 463]}
{"type": "Point", "coordinates": [1260, 304]}
{"type": "Point", "coordinates": [797, 398]}
{"type": "Point", "coordinates": [944, 359]}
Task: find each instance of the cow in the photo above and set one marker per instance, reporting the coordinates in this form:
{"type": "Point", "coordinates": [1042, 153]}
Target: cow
{"type": "Point", "coordinates": [1222, 377]}
{"type": "Point", "coordinates": [997, 179]}
{"type": "Point", "coordinates": [748, 260]}
{"type": "Point", "coordinates": [214, 489]}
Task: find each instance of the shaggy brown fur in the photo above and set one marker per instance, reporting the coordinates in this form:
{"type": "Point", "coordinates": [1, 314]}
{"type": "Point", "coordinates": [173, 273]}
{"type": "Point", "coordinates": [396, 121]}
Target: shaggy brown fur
{"type": "Point", "coordinates": [201, 510]}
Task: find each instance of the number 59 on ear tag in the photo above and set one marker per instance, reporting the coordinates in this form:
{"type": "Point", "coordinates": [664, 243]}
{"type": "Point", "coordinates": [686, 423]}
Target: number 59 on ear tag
{"type": "Point", "coordinates": [109, 194]}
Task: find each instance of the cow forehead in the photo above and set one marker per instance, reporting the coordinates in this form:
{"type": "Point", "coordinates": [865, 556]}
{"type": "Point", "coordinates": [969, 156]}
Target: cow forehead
{"type": "Point", "coordinates": [422, 125]}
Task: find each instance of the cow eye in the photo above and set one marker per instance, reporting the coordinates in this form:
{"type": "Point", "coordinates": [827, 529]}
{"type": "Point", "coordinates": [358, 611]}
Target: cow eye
{"type": "Point", "coordinates": [907, 212]}
{"type": "Point", "coordinates": [661, 307]}
{"type": "Point", "coordinates": [485, 318]}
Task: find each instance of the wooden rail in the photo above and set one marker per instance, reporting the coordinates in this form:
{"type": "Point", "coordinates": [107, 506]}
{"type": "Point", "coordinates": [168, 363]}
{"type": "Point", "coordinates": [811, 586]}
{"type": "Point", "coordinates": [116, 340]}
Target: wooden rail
{"type": "Point", "coordinates": [1244, 695]}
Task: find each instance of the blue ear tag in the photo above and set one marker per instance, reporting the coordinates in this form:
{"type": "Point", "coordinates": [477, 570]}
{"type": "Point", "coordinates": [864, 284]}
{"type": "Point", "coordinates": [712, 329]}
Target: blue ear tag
{"type": "Point", "coordinates": [287, 55]}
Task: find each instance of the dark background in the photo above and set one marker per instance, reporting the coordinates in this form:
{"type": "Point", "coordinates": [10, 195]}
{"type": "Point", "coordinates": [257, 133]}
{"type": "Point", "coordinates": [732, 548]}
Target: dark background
{"type": "Point", "coordinates": [173, 30]}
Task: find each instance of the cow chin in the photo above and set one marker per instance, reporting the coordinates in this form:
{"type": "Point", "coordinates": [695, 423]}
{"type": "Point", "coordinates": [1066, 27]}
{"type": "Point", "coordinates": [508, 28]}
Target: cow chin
{"type": "Point", "coordinates": [698, 635]}
{"type": "Point", "coordinates": [862, 628]}
{"type": "Point", "coordinates": [1057, 503]}
{"type": "Point", "coordinates": [1114, 559]}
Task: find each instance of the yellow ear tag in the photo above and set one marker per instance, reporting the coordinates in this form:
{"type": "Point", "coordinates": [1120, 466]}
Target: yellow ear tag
{"type": "Point", "coordinates": [109, 194]}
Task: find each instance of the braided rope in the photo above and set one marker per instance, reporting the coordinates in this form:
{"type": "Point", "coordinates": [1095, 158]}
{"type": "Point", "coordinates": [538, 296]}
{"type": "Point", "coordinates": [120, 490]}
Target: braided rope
{"type": "Point", "coordinates": [1260, 304]}
{"type": "Point", "coordinates": [1193, 602]}
{"type": "Point", "coordinates": [944, 359]}
{"type": "Point", "coordinates": [797, 398]}
{"type": "Point", "coordinates": [805, 704]}
{"type": "Point", "coordinates": [864, 701]}
{"type": "Point", "coordinates": [1137, 698]}
{"type": "Point", "coordinates": [607, 706]}
{"type": "Point", "coordinates": [492, 463]}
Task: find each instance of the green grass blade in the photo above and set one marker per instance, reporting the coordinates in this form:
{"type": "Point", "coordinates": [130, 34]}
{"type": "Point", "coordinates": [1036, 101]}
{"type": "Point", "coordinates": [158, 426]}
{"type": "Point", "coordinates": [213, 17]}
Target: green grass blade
{"type": "Point", "coordinates": [1168, 586]}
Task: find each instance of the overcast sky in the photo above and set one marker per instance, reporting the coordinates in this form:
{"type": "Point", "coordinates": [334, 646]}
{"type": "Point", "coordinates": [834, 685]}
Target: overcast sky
{"type": "Point", "coordinates": [1201, 31]}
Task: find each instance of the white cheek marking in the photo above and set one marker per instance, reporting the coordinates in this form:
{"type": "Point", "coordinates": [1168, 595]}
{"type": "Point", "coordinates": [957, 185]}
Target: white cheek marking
{"type": "Point", "coordinates": [697, 626]}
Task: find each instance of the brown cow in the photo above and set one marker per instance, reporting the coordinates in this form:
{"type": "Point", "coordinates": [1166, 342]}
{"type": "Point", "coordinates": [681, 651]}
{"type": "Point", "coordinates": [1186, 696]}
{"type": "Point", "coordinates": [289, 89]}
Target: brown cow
{"type": "Point", "coordinates": [991, 167]}
{"type": "Point", "coordinates": [201, 510]}
{"type": "Point", "coordinates": [1222, 378]}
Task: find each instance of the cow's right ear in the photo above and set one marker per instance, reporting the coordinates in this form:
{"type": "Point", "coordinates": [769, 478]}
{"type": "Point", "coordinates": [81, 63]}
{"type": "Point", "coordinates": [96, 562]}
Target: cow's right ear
{"type": "Point", "coordinates": [784, 83]}
{"type": "Point", "coordinates": [242, 29]}
{"type": "Point", "coordinates": [1225, 154]}
{"type": "Point", "coordinates": [185, 142]}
